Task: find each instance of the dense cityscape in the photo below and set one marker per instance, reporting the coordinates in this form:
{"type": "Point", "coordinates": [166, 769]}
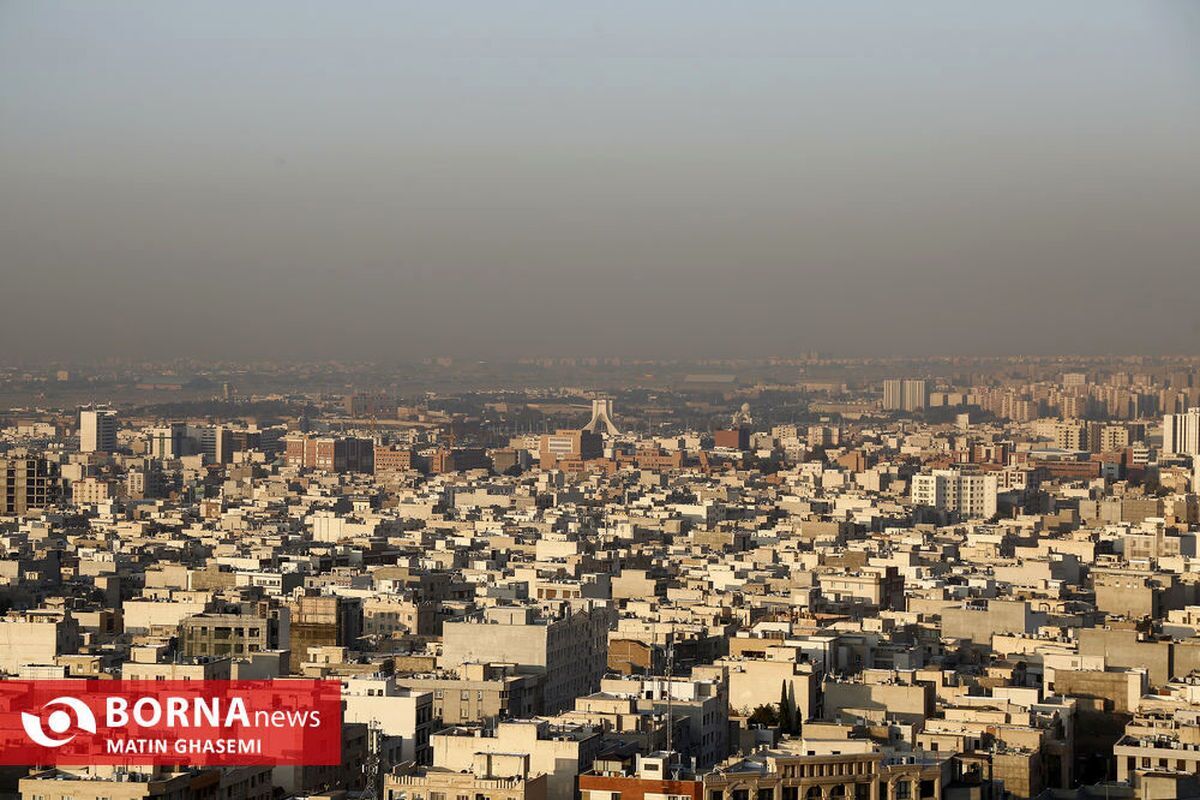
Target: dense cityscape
{"type": "Point", "coordinates": [782, 579]}
{"type": "Point", "coordinates": [653, 400]}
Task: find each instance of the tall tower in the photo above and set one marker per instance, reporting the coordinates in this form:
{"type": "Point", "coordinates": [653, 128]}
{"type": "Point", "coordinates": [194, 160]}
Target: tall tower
{"type": "Point", "coordinates": [892, 394]}
{"type": "Point", "coordinates": [1181, 433]}
{"type": "Point", "coordinates": [905, 394]}
{"type": "Point", "coordinates": [97, 430]}
{"type": "Point", "coordinates": [602, 409]}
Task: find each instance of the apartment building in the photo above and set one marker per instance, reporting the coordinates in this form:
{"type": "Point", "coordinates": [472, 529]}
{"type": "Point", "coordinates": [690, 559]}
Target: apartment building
{"type": "Point", "coordinates": [97, 430]}
{"type": "Point", "coordinates": [477, 693]}
{"type": "Point", "coordinates": [568, 645]}
{"type": "Point", "coordinates": [973, 496]}
{"type": "Point", "coordinates": [28, 483]}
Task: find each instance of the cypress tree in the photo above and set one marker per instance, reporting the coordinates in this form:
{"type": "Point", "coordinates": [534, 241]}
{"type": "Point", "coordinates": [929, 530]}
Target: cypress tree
{"type": "Point", "coordinates": [793, 712]}
{"type": "Point", "coordinates": [785, 711]}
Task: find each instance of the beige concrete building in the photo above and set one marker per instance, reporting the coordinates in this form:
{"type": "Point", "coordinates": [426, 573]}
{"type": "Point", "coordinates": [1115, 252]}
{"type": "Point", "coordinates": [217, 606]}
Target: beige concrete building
{"type": "Point", "coordinates": [145, 614]}
{"type": "Point", "coordinates": [479, 693]}
{"type": "Point", "coordinates": [218, 635]}
{"type": "Point", "coordinates": [36, 637]}
{"type": "Point", "coordinates": [824, 776]}
{"type": "Point", "coordinates": [568, 647]}
{"type": "Point", "coordinates": [490, 779]}
{"type": "Point", "coordinates": [979, 621]}
{"type": "Point", "coordinates": [757, 682]}
{"type": "Point", "coordinates": [91, 491]}
{"type": "Point", "coordinates": [898, 694]}
{"type": "Point", "coordinates": [560, 753]}
{"type": "Point", "coordinates": [400, 713]}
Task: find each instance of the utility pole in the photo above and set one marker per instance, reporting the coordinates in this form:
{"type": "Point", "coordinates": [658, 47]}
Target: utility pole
{"type": "Point", "coordinates": [374, 734]}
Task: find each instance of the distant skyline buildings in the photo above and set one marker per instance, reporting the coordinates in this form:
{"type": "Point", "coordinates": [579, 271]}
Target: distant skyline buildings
{"type": "Point", "coordinates": [905, 394]}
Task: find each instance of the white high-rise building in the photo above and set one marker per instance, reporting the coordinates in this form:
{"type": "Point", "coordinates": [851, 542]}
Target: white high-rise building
{"type": "Point", "coordinates": [97, 430]}
{"type": "Point", "coordinates": [168, 441]}
{"type": "Point", "coordinates": [891, 394]}
{"type": "Point", "coordinates": [905, 395]}
{"type": "Point", "coordinates": [971, 495]}
{"type": "Point", "coordinates": [1181, 433]}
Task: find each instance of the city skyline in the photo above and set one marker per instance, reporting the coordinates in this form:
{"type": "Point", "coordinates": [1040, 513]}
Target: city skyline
{"type": "Point", "coordinates": [667, 400]}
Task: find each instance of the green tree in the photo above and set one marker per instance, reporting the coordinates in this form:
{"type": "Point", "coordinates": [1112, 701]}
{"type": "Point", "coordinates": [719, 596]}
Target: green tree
{"type": "Point", "coordinates": [764, 715]}
{"type": "Point", "coordinates": [785, 710]}
{"type": "Point", "coordinates": [793, 712]}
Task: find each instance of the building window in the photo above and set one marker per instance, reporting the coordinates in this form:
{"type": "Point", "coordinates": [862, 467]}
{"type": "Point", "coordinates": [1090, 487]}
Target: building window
{"type": "Point", "coordinates": [766, 794]}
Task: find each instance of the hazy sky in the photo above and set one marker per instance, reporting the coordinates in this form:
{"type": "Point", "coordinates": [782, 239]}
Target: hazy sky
{"type": "Point", "coordinates": [501, 177]}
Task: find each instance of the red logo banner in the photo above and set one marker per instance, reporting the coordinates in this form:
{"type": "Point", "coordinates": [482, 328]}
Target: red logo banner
{"type": "Point", "coordinates": [166, 723]}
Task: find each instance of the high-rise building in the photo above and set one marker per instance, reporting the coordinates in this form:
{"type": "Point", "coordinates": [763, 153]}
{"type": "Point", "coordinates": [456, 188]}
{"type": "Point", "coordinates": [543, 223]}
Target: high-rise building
{"type": "Point", "coordinates": [322, 621]}
{"type": "Point", "coordinates": [27, 483]}
{"type": "Point", "coordinates": [330, 453]}
{"type": "Point", "coordinates": [392, 459]}
{"type": "Point", "coordinates": [1181, 433]}
{"type": "Point", "coordinates": [97, 430]}
{"type": "Point", "coordinates": [1070, 434]}
{"type": "Point", "coordinates": [363, 404]}
{"type": "Point", "coordinates": [891, 394]}
{"type": "Point", "coordinates": [733, 438]}
{"type": "Point", "coordinates": [458, 459]}
{"type": "Point", "coordinates": [915, 396]}
{"type": "Point", "coordinates": [824, 436]}
{"type": "Point", "coordinates": [168, 441]}
{"type": "Point", "coordinates": [1104, 438]}
{"type": "Point", "coordinates": [905, 394]}
{"type": "Point", "coordinates": [569, 445]}
{"type": "Point", "coordinates": [144, 482]}
{"type": "Point", "coordinates": [971, 495]}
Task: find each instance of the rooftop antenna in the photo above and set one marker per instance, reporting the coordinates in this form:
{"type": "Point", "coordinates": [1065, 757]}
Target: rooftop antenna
{"type": "Point", "coordinates": [374, 734]}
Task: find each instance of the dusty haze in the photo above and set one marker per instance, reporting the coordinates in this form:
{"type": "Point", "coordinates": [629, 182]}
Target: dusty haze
{"type": "Point", "coordinates": [500, 178]}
